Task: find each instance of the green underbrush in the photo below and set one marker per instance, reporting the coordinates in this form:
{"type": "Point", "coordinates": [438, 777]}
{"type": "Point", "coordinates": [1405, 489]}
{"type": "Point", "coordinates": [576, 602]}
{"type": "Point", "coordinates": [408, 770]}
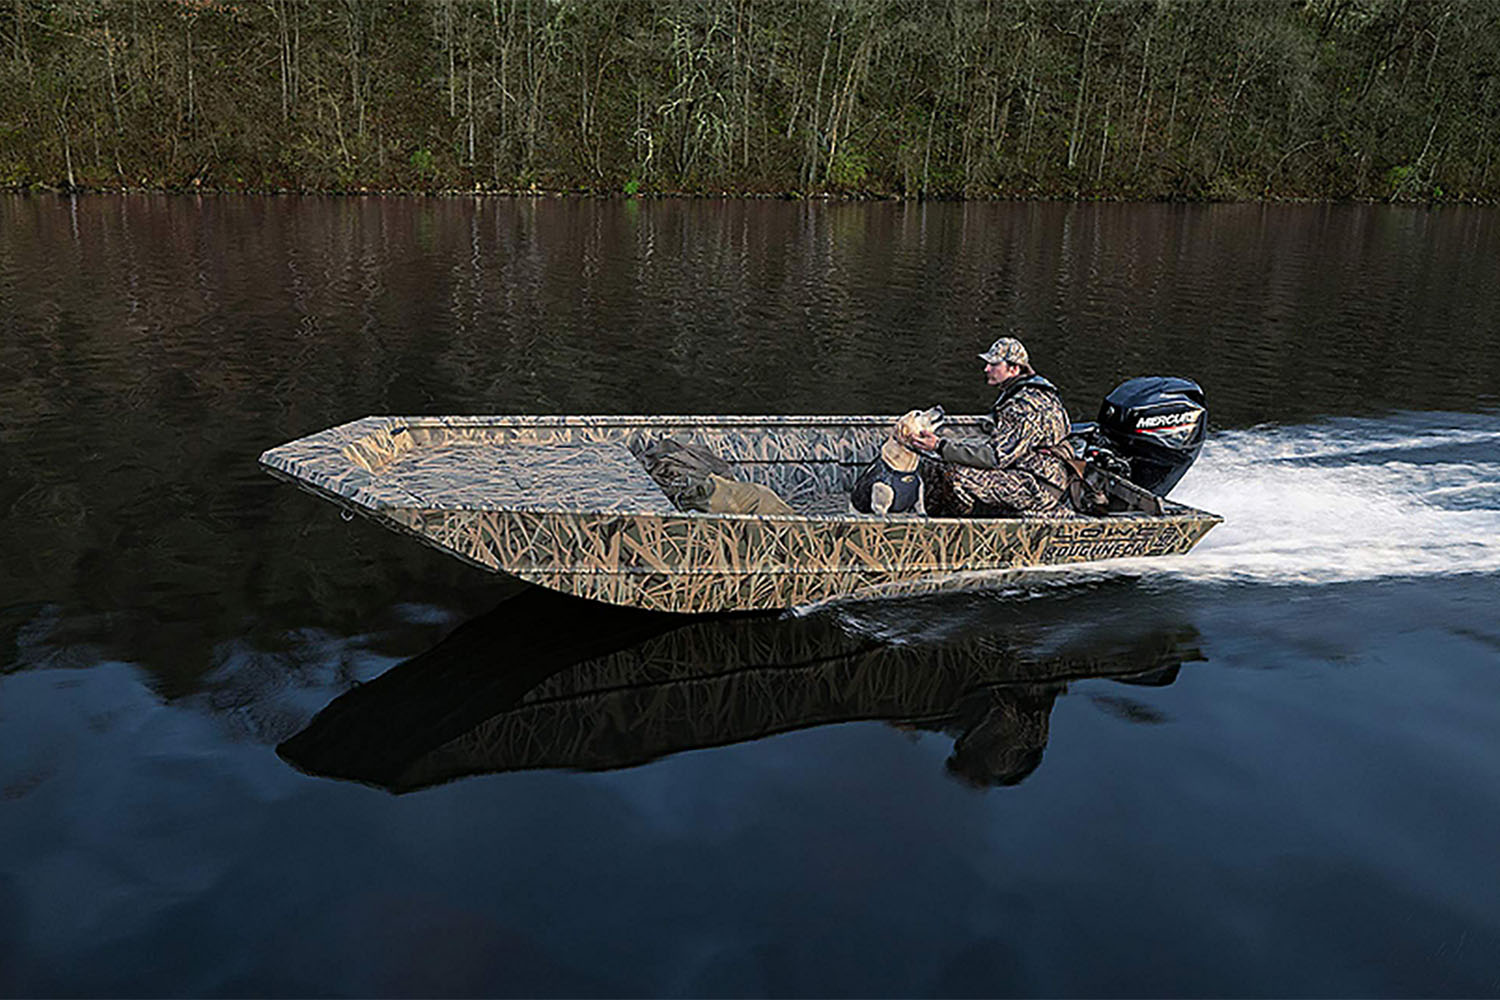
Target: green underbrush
{"type": "Point", "coordinates": [1130, 100]}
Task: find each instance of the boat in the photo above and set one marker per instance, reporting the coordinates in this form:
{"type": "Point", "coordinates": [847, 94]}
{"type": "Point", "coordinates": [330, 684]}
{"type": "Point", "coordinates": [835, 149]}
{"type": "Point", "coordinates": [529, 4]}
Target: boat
{"type": "Point", "coordinates": [565, 503]}
{"type": "Point", "coordinates": [550, 682]}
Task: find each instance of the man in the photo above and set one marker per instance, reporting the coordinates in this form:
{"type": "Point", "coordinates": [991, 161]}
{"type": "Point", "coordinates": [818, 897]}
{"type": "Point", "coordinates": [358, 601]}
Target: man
{"type": "Point", "coordinates": [1009, 472]}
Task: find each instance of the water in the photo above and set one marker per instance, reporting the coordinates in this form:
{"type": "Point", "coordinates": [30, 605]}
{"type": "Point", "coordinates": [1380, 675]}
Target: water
{"type": "Point", "coordinates": [1270, 766]}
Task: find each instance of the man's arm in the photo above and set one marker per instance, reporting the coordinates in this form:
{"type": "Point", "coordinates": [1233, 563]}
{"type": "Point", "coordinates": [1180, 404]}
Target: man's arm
{"type": "Point", "coordinates": [975, 452]}
{"type": "Point", "coordinates": [972, 451]}
{"type": "Point", "coordinates": [1014, 435]}
{"type": "Point", "coordinates": [1011, 438]}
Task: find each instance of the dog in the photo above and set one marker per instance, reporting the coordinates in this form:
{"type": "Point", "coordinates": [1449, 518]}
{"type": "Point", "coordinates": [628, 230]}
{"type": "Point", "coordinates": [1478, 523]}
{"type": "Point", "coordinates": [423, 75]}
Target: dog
{"type": "Point", "coordinates": [890, 484]}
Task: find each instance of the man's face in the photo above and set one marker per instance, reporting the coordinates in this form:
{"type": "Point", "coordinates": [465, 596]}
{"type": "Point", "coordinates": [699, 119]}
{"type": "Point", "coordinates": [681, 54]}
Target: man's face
{"type": "Point", "coordinates": [996, 372]}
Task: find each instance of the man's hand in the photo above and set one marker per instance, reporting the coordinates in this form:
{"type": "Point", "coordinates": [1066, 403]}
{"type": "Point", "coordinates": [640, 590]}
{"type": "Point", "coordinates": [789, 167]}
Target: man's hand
{"type": "Point", "coordinates": [924, 441]}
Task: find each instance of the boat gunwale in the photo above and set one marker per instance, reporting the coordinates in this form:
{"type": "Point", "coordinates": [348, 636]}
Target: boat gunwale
{"type": "Point", "coordinates": [1175, 512]}
{"type": "Point", "coordinates": [362, 496]}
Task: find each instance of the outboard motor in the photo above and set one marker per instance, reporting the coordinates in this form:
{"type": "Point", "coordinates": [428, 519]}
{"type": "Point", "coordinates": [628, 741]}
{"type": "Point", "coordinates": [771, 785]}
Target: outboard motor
{"type": "Point", "coordinates": [1149, 431]}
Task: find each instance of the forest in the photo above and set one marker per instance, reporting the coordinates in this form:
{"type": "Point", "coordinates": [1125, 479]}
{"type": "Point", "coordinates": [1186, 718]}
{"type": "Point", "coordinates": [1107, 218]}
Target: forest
{"type": "Point", "coordinates": [1392, 100]}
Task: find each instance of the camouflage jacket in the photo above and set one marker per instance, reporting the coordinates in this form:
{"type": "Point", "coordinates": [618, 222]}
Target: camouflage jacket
{"type": "Point", "coordinates": [1028, 415]}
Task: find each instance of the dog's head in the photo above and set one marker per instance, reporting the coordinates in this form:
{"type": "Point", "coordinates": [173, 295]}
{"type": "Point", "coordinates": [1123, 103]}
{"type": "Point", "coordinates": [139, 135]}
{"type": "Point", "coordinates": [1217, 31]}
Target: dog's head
{"type": "Point", "coordinates": [916, 421]}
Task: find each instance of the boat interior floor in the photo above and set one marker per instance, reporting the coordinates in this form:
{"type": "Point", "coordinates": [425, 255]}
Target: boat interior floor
{"type": "Point", "coordinates": [603, 476]}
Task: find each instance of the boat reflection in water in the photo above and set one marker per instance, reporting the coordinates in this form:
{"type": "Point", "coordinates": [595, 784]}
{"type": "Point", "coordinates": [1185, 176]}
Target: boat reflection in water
{"type": "Point", "coordinates": [550, 681]}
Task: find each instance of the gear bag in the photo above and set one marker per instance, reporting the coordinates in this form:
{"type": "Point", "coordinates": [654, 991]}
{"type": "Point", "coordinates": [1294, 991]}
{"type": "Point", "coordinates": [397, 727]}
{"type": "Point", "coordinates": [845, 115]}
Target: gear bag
{"type": "Point", "coordinates": [694, 478]}
{"type": "Point", "coordinates": [1087, 491]}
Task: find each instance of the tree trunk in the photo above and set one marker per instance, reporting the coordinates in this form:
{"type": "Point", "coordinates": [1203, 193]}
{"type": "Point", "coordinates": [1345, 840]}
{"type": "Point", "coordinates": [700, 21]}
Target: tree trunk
{"type": "Point", "coordinates": [283, 62]}
{"type": "Point", "coordinates": [1031, 98]}
{"type": "Point", "coordinates": [1103, 147]}
{"type": "Point", "coordinates": [22, 56]}
{"type": "Point", "coordinates": [810, 155]}
{"type": "Point", "coordinates": [1076, 135]}
{"type": "Point", "coordinates": [188, 35]}
{"type": "Point", "coordinates": [114, 95]}
{"type": "Point", "coordinates": [62, 132]}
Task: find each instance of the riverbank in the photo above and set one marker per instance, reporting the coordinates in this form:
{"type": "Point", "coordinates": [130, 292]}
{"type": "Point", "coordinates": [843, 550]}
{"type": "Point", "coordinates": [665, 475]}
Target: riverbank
{"type": "Point", "coordinates": [815, 196]}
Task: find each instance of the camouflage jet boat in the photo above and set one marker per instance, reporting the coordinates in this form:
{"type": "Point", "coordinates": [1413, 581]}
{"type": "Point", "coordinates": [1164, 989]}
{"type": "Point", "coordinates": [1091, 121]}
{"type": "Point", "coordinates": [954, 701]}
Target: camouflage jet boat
{"type": "Point", "coordinates": [563, 502]}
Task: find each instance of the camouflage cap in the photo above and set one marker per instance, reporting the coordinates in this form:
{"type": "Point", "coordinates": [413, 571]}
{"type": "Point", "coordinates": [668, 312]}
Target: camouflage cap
{"type": "Point", "coordinates": [1007, 349]}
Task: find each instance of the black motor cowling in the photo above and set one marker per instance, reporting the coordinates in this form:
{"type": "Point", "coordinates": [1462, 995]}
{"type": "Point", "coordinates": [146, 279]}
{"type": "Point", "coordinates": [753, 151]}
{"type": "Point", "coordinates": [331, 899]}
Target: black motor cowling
{"type": "Point", "coordinates": [1156, 425]}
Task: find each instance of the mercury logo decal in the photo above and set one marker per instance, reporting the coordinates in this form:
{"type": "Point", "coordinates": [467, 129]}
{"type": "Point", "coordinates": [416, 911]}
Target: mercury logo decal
{"type": "Point", "coordinates": [1162, 423]}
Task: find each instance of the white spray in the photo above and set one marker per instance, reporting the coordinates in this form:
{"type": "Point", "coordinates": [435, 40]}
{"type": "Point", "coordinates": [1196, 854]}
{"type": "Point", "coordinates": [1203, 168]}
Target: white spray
{"type": "Point", "coordinates": [1414, 495]}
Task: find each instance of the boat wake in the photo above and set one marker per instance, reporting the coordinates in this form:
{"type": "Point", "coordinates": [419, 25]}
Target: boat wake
{"type": "Point", "coordinates": [1413, 495]}
{"type": "Point", "coordinates": [1348, 500]}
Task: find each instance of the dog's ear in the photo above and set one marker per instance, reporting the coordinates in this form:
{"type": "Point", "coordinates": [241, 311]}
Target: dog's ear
{"type": "Point", "coordinates": [908, 424]}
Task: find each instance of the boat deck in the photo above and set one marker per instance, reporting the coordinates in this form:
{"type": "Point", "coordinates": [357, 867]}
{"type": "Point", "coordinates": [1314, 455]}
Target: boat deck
{"type": "Point", "coordinates": [469, 474]}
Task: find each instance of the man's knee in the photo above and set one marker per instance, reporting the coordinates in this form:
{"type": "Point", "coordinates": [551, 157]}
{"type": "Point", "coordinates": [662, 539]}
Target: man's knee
{"type": "Point", "coordinates": [1009, 491]}
{"type": "Point", "coordinates": [960, 491]}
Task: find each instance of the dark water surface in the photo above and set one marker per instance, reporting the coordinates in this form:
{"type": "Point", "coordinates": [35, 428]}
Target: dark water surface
{"type": "Point", "coordinates": [1269, 767]}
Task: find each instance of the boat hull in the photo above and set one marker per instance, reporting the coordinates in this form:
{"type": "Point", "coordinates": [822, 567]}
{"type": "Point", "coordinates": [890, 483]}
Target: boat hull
{"type": "Point", "coordinates": [668, 560]}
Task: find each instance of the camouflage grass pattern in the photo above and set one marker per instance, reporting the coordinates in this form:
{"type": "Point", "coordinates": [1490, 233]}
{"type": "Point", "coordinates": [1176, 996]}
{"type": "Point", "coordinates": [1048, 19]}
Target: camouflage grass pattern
{"type": "Point", "coordinates": [1026, 419]}
{"type": "Point", "coordinates": [561, 502]}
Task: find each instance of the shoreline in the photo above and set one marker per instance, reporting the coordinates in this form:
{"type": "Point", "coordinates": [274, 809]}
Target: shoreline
{"type": "Point", "coordinates": [793, 196]}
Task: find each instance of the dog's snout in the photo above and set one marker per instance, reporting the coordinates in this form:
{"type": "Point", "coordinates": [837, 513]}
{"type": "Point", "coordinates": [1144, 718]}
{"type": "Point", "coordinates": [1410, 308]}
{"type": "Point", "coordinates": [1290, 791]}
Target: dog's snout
{"type": "Point", "coordinates": [914, 422]}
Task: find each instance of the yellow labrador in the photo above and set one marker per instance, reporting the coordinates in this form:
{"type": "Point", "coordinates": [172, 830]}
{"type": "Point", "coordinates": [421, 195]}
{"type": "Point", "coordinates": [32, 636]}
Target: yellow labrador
{"type": "Point", "coordinates": [890, 484]}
